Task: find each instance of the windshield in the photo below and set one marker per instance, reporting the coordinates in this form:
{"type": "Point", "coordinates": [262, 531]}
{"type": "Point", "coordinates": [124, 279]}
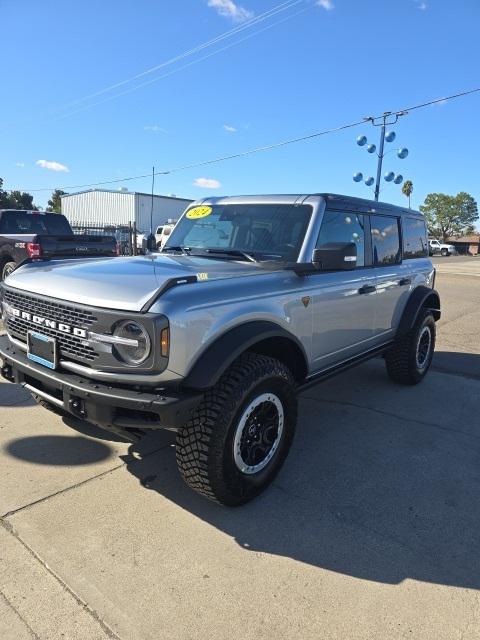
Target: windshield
{"type": "Point", "coordinates": [264, 231]}
{"type": "Point", "coordinates": [41, 223]}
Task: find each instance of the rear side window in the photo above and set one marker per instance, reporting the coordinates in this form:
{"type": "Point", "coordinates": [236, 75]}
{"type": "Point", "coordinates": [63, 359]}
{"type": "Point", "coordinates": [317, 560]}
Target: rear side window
{"type": "Point", "coordinates": [344, 227]}
{"type": "Point", "coordinates": [385, 240]}
{"type": "Point", "coordinates": [22, 222]}
{"type": "Point", "coordinates": [414, 238]}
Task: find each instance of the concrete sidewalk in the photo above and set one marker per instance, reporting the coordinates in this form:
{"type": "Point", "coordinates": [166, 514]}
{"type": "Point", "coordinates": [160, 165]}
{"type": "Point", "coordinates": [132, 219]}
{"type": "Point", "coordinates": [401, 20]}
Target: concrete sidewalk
{"type": "Point", "coordinates": [370, 531]}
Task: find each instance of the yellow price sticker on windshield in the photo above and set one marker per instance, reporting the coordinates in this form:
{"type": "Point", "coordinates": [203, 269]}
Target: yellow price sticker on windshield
{"type": "Point", "coordinates": [198, 212]}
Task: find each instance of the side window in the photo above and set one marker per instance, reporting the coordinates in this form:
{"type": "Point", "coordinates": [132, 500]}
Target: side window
{"type": "Point", "coordinates": [414, 238]}
{"type": "Point", "coordinates": [385, 240]}
{"type": "Point", "coordinates": [344, 227]}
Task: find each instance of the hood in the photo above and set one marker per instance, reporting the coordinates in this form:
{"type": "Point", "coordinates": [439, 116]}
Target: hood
{"type": "Point", "coordinates": [118, 283]}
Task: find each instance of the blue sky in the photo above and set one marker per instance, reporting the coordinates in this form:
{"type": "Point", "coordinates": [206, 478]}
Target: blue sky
{"type": "Point", "coordinates": [315, 65]}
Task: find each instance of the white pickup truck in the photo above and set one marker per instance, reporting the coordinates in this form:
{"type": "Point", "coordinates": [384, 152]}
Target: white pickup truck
{"type": "Point", "coordinates": [162, 233]}
{"type": "Point", "coordinates": [437, 247]}
{"type": "Point", "coordinates": [161, 236]}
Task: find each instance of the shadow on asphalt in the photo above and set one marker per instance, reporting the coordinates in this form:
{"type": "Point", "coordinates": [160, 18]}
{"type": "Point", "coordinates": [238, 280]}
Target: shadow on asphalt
{"type": "Point", "coordinates": [362, 493]}
{"type": "Point", "coordinates": [58, 450]}
{"type": "Point", "coordinates": [91, 430]}
{"type": "Point", "coordinates": [465, 364]}
{"type": "Point", "coordinates": [14, 395]}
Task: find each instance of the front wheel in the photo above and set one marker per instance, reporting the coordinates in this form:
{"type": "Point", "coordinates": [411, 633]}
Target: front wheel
{"type": "Point", "coordinates": [411, 355]}
{"type": "Point", "coordinates": [239, 436]}
{"type": "Point", "coordinates": [445, 253]}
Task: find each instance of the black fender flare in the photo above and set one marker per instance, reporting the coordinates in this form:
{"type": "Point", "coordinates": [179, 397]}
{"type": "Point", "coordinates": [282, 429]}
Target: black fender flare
{"type": "Point", "coordinates": [421, 297]}
{"type": "Point", "coordinates": [218, 356]}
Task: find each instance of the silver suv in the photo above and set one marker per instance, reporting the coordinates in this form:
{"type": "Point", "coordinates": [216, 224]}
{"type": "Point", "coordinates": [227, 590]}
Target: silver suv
{"type": "Point", "coordinates": [252, 299]}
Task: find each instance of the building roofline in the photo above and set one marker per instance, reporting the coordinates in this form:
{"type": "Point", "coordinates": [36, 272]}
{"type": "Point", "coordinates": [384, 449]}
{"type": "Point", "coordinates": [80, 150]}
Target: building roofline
{"type": "Point", "coordinates": [129, 193]}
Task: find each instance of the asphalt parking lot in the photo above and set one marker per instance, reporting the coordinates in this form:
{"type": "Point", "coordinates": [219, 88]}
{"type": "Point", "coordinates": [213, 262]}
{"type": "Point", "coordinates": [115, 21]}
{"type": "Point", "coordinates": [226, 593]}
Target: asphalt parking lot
{"type": "Point", "coordinates": [370, 532]}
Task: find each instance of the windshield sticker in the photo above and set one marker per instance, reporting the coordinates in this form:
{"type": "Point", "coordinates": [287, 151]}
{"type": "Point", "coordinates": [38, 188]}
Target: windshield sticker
{"type": "Point", "coordinates": [202, 276]}
{"type": "Point", "coordinates": [198, 212]}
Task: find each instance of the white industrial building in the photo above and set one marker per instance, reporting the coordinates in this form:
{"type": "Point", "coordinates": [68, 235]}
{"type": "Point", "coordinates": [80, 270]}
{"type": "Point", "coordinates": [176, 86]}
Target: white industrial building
{"type": "Point", "coordinates": [103, 207]}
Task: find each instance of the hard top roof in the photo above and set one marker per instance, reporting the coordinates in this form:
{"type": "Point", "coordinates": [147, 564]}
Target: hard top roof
{"type": "Point", "coordinates": [333, 200]}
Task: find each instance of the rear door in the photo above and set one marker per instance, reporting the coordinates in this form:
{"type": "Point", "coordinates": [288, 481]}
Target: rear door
{"type": "Point", "coordinates": [393, 278]}
{"type": "Point", "coordinates": [343, 301]}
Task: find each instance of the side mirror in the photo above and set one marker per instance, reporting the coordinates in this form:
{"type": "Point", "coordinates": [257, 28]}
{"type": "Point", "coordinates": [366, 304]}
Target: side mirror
{"type": "Point", "coordinates": [335, 256]}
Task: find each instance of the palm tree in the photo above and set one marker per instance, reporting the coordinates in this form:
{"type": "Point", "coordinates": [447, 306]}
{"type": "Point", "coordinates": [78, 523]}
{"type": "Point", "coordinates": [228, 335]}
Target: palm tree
{"type": "Point", "coordinates": [407, 190]}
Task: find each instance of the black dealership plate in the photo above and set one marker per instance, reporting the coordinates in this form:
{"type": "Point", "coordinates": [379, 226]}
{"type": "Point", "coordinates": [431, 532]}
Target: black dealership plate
{"type": "Point", "coordinates": [42, 349]}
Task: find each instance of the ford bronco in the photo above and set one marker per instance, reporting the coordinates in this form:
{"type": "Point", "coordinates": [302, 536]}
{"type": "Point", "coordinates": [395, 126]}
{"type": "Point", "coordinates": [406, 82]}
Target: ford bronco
{"type": "Point", "coordinates": [251, 299]}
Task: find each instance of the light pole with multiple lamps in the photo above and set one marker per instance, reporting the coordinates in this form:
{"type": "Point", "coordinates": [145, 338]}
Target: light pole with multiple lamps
{"type": "Point", "coordinates": [383, 121]}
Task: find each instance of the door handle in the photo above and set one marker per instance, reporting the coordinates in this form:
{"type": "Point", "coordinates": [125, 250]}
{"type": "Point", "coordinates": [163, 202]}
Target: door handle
{"type": "Point", "coordinates": [404, 281]}
{"type": "Point", "coordinates": [368, 288]}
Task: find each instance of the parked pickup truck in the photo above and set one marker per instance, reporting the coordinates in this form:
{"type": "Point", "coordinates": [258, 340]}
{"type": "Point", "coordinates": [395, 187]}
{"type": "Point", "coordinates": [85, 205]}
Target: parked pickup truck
{"type": "Point", "coordinates": [436, 247]}
{"type": "Point", "coordinates": [251, 299]}
{"type": "Point", "coordinates": [37, 234]}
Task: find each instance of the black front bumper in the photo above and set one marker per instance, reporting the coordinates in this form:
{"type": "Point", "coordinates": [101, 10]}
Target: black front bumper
{"type": "Point", "coordinates": [122, 410]}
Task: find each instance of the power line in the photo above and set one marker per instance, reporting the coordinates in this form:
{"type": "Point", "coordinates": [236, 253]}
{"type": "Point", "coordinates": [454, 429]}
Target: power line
{"type": "Point", "coordinates": [185, 66]}
{"type": "Point", "coordinates": [227, 34]}
{"type": "Point", "coordinates": [248, 152]}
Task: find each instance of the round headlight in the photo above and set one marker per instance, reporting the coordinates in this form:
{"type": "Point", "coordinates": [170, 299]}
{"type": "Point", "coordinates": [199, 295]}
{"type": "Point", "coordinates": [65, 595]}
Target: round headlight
{"type": "Point", "coordinates": [132, 344]}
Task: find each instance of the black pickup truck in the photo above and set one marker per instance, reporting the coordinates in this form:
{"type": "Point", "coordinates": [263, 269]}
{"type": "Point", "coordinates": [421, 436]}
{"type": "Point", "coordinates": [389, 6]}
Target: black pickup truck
{"type": "Point", "coordinates": [42, 235]}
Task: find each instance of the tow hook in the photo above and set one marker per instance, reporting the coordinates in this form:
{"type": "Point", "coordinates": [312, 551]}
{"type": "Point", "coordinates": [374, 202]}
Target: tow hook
{"type": "Point", "coordinates": [77, 407]}
{"type": "Point", "coordinates": [7, 372]}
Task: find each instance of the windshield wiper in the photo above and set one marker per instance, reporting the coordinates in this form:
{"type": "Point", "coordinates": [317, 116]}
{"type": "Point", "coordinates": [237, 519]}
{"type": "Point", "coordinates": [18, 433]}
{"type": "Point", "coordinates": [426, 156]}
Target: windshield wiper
{"type": "Point", "coordinates": [183, 250]}
{"type": "Point", "coordinates": [235, 253]}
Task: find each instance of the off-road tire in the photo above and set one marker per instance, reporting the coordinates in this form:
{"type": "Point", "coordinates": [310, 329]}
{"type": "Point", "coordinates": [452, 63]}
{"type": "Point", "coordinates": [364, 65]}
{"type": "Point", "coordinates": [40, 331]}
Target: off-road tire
{"type": "Point", "coordinates": [205, 445]}
{"type": "Point", "coordinates": [7, 269]}
{"type": "Point", "coordinates": [49, 405]}
{"type": "Point", "coordinates": [445, 253]}
{"type": "Point", "coordinates": [401, 359]}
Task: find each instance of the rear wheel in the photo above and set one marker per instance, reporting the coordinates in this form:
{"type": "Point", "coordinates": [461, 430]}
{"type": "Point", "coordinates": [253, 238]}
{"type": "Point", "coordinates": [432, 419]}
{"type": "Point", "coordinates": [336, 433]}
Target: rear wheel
{"type": "Point", "coordinates": [411, 356]}
{"type": "Point", "coordinates": [444, 253]}
{"type": "Point", "coordinates": [7, 269]}
{"type": "Point", "coordinates": [239, 436]}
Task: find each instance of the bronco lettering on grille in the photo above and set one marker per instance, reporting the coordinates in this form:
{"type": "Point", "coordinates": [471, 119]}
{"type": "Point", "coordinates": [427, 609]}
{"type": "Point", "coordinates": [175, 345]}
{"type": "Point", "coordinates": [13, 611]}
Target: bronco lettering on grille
{"type": "Point", "coordinates": [51, 324]}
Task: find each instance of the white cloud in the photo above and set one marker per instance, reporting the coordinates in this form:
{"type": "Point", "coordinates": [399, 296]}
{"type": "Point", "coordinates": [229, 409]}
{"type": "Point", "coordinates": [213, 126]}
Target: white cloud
{"type": "Point", "coordinates": [229, 128]}
{"type": "Point", "coordinates": [229, 9]}
{"type": "Point", "coordinates": [207, 183]}
{"type": "Point", "coordinates": [326, 4]}
{"type": "Point", "coordinates": [155, 128]}
{"type": "Point", "coordinates": [423, 6]}
{"type": "Point", "coordinates": [52, 165]}
{"type": "Point", "coordinates": [19, 164]}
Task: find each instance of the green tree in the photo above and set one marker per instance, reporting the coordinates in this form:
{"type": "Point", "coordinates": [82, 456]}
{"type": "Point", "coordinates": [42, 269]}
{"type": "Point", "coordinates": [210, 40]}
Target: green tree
{"type": "Point", "coordinates": [4, 198]}
{"type": "Point", "coordinates": [21, 200]}
{"type": "Point", "coordinates": [55, 203]}
{"type": "Point", "coordinates": [449, 215]}
{"type": "Point", "coordinates": [407, 190]}
{"type": "Point", "coordinates": [15, 199]}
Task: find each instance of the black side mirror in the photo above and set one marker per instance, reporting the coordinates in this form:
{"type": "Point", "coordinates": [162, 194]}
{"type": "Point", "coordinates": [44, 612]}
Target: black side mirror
{"type": "Point", "coordinates": [335, 256]}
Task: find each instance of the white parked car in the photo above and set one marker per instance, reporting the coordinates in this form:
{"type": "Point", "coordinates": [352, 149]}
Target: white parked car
{"type": "Point", "coordinates": [437, 247]}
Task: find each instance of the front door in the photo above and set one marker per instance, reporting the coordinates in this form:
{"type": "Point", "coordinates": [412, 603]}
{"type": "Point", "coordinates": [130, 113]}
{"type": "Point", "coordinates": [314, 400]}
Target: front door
{"type": "Point", "coordinates": [343, 301]}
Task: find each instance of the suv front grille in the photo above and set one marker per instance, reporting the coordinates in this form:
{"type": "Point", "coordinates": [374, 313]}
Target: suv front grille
{"type": "Point", "coordinates": [69, 345]}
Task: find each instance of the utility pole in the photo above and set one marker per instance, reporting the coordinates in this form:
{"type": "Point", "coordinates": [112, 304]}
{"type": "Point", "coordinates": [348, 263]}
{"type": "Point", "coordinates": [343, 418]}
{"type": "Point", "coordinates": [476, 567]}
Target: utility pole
{"type": "Point", "coordinates": [380, 156]}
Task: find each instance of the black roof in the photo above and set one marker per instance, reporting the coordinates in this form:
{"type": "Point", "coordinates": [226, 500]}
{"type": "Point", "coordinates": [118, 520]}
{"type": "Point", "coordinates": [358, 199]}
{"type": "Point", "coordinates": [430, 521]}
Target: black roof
{"type": "Point", "coordinates": [337, 201]}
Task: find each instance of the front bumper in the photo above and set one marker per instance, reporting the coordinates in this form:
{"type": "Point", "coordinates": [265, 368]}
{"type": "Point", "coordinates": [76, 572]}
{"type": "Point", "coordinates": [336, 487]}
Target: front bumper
{"type": "Point", "coordinates": [122, 410]}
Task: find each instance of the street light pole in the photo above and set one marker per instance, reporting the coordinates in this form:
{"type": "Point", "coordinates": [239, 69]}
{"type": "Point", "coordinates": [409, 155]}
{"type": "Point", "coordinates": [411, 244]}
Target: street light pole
{"type": "Point", "coordinates": [381, 121]}
{"type": "Point", "coordinates": [380, 158]}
